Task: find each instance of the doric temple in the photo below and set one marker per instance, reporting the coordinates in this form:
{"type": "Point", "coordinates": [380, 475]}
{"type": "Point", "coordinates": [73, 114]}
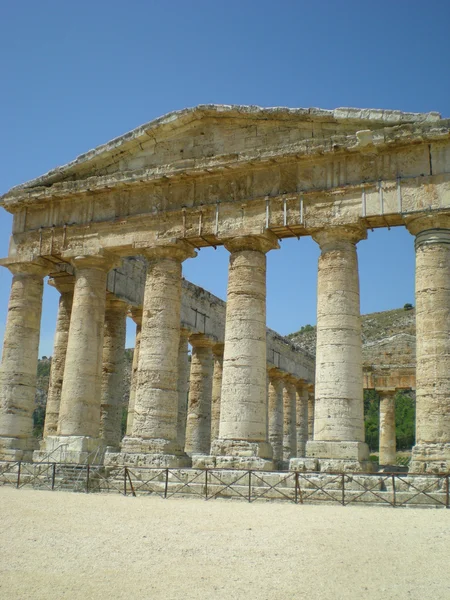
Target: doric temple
{"type": "Point", "coordinates": [112, 229]}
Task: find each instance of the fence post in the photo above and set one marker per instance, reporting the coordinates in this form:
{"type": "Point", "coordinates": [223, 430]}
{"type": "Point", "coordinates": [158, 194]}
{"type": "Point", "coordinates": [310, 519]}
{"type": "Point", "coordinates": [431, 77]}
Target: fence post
{"type": "Point", "coordinates": [393, 490]}
{"type": "Point", "coordinates": [249, 486]}
{"type": "Point", "coordinates": [87, 478]}
{"type": "Point", "coordinates": [18, 475]}
{"type": "Point", "coordinates": [167, 483]}
{"type": "Point", "coordinates": [296, 487]}
{"type": "Point", "coordinates": [447, 503]}
{"type": "Point", "coordinates": [343, 489]}
{"type": "Point", "coordinates": [206, 484]}
{"type": "Point", "coordinates": [53, 476]}
{"type": "Point", "coordinates": [125, 481]}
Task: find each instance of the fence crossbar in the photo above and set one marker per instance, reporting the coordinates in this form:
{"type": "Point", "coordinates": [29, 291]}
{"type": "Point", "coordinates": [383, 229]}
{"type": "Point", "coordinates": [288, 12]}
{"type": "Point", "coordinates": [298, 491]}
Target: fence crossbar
{"type": "Point", "coordinates": [185, 484]}
{"type": "Point", "coordinates": [36, 475]}
{"type": "Point", "coordinates": [226, 485]}
{"type": "Point", "coordinates": [110, 483]}
{"type": "Point", "coordinates": [135, 484]}
{"type": "Point", "coordinates": [305, 496]}
{"type": "Point", "coordinates": [369, 490]}
{"type": "Point", "coordinates": [419, 492]}
{"type": "Point", "coordinates": [272, 487]}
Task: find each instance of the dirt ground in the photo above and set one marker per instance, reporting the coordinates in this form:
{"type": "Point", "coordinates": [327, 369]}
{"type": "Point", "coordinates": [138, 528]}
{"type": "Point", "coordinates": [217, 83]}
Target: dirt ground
{"type": "Point", "coordinates": [57, 545]}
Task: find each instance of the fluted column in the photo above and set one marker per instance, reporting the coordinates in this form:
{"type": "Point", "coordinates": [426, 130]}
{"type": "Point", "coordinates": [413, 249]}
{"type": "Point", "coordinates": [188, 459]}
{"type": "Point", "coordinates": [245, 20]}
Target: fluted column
{"type": "Point", "coordinates": [183, 386]}
{"type": "Point", "coordinates": [154, 438]}
{"type": "Point", "coordinates": [311, 402]}
{"type": "Point", "coordinates": [79, 415]}
{"type": "Point", "coordinates": [289, 419]}
{"type": "Point", "coordinates": [302, 398]}
{"type": "Point", "coordinates": [339, 408]}
{"type": "Point", "coordinates": [112, 390]}
{"type": "Point", "coordinates": [432, 450]}
{"type": "Point", "coordinates": [275, 403]}
{"type": "Point", "coordinates": [18, 370]}
{"type": "Point", "coordinates": [216, 390]}
{"type": "Point", "coordinates": [387, 427]}
{"type": "Point", "coordinates": [136, 315]}
{"type": "Point", "coordinates": [243, 428]}
{"type": "Point", "coordinates": [198, 424]}
{"type": "Point", "coordinates": [65, 287]}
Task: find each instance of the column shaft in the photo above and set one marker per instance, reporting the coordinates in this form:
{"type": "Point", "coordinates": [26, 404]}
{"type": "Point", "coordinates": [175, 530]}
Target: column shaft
{"type": "Point", "coordinates": [58, 358]}
{"type": "Point", "coordinates": [136, 315]}
{"type": "Point", "coordinates": [289, 420]}
{"type": "Point", "coordinates": [216, 390]}
{"type": "Point", "coordinates": [275, 403]}
{"type": "Point", "coordinates": [243, 425]}
{"type": "Point", "coordinates": [387, 427]}
{"type": "Point", "coordinates": [302, 397]}
{"type": "Point", "coordinates": [311, 403]}
{"type": "Point", "coordinates": [198, 425]}
{"type": "Point", "coordinates": [112, 390]}
{"type": "Point", "coordinates": [19, 362]}
{"type": "Point", "coordinates": [183, 387]}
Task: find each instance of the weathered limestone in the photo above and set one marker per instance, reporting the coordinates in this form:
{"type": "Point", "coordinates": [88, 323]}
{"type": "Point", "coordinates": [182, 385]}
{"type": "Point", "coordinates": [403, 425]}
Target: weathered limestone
{"type": "Point", "coordinates": [113, 373]}
{"type": "Point", "coordinates": [65, 287]}
{"type": "Point", "coordinates": [243, 426]}
{"type": "Point", "coordinates": [289, 419]}
{"type": "Point", "coordinates": [19, 361]}
{"type": "Point", "coordinates": [302, 398]}
{"type": "Point", "coordinates": [79, 415]}
{"type": "Point", "coordinates": [216, 390]}
{"type": "Point", "coordinates": [339, 410]}
{"type": "Point", "coordinates": [183, 386]}
{"type": "Point", "coordinates": [387, 427]}
{"type": "Point", "coordinates": [275, 414]}
{"type": "Point", "coordinates": [311, 403]}
{"type": "Point", "coordinates": [154, 438]}
{"type": "Point", "coordinates": [198, 424]}
{"type": "Point", "coordinates": [136, 315]}
{"type": "Point", "coordinates": [432, 450]}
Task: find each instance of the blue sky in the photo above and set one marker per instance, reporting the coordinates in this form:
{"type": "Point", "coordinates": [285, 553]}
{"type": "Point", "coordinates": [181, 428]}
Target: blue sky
{"type": "Point", "coordinates": [75, 74]}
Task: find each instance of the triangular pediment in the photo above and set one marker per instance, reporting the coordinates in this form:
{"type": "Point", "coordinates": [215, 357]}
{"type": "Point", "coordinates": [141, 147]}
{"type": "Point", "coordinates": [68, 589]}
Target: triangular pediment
{"type": "Point", "coordinates": [183, 138]}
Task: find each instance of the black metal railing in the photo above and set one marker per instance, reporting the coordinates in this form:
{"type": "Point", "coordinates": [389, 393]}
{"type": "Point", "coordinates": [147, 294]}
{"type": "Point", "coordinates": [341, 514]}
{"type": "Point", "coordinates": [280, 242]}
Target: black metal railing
{"type": "Point", "coordinates": [392, 489]}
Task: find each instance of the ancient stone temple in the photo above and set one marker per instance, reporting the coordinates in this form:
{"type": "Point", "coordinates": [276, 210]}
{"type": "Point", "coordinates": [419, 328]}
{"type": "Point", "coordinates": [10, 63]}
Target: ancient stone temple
{"type": "Point", "coordinates": [112, 230]}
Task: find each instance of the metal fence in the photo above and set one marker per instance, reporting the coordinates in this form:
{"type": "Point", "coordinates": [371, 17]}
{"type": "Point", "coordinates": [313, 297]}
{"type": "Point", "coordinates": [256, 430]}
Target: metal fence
{"type": "Point", "coordinates": [389, 489]}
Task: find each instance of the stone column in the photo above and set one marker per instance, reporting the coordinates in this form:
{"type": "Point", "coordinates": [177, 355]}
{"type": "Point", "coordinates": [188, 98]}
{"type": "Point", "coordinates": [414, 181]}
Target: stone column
{"type": "Point", "coordinates": [198, 424]}
{"type": "Point", "coordinates": [136, 315]}
{"type": "Point", "coordinates": [18, 370]}
{"type": "Point", "coordinates": [311, 402]}
{"type": "Point", "coordinates": [183, 386]}
{"type": "Point", "coordinates": [216, 390]}
{"type": "Point", "coordinates": [289, 420]}
{"type": "Point", "coordinates": [65, 288]}
{"type": "Point", "coordinates": [432, 450]}
{"type": "Point", "coordinates": [339, 408]}
{"type": "Point", "coordinates": [154, 438]}
{"type": "Point", "coordinates": [79, 415]}
{"type": "Point", "coordinates": [387, 427]}
{"type": "Point", "coordinates": [112, 390]}
{"type": "Point", "coordinates": [302, 398]}
{"type": "Point", "coordinates": [243, 427]}
{"type": "Point", "coordinates": [275, 404]}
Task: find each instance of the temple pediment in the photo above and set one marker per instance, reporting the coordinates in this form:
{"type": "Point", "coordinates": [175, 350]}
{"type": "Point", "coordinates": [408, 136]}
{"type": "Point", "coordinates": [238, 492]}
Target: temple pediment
{"type": "Point", "coordinates": [215, 134]}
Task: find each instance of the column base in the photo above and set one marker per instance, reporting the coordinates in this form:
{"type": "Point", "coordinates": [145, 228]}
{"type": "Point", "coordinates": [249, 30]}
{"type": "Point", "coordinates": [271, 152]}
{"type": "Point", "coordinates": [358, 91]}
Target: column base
{"type": "Point", "coordinates": [140, 452]}
{"type": "Point", "coordinates": [70, 449]}
{"type": "Point", "coordinates": [241, 454]}
{"type": "Point", "coordinates": [339, 457]}
{"type": "Point", "coordinates": [430, 458]}
{"type": "Point", "coordinates": [14, 449]}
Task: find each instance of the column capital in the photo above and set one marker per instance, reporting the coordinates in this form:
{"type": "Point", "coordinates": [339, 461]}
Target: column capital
{"type": "Point", "coordinates": [114, 303]}
{"type": "Point", "coordinates": [64, 284]}
{"type": "Point", "coordinates": [386, 391]}
{"type": "Point", "coordinates": [199, 340]}
{"type": "Point", "coordinates": [275, 373]}
{"type": "Point", "coordinates": [101, 262]}
{"type": "Point", "coordinates": [260, 243]}
{"type": "Point", "coordinates": [433, 223]}
{"type": "Point", "coordinates": [176, 249]}
{"type": "Point", "coordinates": [37, 266]}
{"type": "Point", "coordinates": [135, 313]}
{"type": "Point", "coordinates": [218, 349]}
{"type": "Point", "coordinates": [331, 238]}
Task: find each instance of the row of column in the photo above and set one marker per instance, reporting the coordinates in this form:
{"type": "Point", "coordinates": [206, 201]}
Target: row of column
{"type": "Point", "coordinates": [243, 435]}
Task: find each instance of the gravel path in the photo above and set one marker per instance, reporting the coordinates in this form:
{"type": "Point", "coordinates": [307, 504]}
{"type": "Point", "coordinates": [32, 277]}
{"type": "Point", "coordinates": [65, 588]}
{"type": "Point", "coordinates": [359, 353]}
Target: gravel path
{"type": "Point", "coordinates": [57, 545]}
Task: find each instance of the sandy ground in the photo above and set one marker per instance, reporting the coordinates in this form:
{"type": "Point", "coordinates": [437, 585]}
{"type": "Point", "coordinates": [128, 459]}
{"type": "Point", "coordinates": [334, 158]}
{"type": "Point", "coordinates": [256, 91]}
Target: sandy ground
{"type": "Point", "coordinates": [58, 545]}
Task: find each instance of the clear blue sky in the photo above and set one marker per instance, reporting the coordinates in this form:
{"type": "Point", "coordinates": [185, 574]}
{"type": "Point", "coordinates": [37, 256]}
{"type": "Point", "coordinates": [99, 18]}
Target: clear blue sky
{"type": "Point", "coordinates": [75, 74]}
